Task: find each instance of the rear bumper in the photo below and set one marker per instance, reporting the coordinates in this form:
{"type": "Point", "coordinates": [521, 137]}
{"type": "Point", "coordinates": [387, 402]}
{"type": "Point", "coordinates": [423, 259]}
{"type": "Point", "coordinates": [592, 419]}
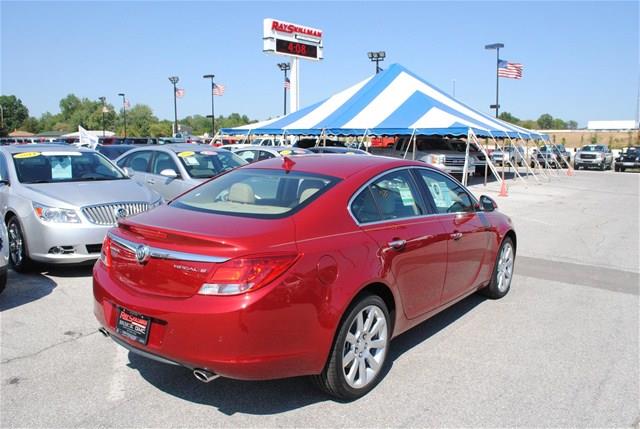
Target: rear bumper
{"type": "Point", "coordinates": [267, 334]}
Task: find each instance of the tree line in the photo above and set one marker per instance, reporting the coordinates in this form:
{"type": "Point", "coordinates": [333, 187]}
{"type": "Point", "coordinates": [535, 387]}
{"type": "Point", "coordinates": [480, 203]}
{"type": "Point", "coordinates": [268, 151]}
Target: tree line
{"type": "Point", "coordinates": [544, 122]}
{"type": "Point", "coordinates": [87, 113]}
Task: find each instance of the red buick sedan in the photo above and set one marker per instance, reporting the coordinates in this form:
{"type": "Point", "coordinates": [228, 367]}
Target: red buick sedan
{"type": "Point", "coordinates": [305, 266]}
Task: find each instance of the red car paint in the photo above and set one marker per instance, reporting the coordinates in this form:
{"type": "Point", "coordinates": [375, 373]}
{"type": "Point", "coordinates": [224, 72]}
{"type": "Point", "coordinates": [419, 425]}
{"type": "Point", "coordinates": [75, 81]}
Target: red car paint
{"type": "Point", "coordinates": [287, 327]}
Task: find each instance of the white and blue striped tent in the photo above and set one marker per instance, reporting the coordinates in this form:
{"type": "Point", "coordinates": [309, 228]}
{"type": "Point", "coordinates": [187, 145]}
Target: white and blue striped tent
{"type": "Point", "coordinates": [393, 102]}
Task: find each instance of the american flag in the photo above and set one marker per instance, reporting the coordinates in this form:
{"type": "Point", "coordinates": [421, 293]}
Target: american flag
{"type": "Point", "coordinates": [218, 89]}
{"type": "Point", "coordinates": [179, 92]}
{"type": "Point", "coordinates": [127, 105]}
{"type": "Point", "coordinates": [287, 83]}
{"type": "Point", "coordinates": [510, 70]}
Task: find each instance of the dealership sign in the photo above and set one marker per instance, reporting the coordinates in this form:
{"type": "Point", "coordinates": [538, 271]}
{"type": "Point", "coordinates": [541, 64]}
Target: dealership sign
{"type": "Point", "coordinates": [295, 40]}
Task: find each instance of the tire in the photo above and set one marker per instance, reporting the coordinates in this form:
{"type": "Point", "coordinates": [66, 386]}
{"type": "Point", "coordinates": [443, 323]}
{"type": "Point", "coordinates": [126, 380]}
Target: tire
{"type": "Point", "coordinates": [601, 167]}
{"type": "Point", "coordinates": [349, 341]}
{"type": "Point", "coordinates": [622, 169]}
{"type": "Point", "coordinates": [3, 279]}
{"type": "Point", "coordinates": [502, 274]}
{"type": "Point", "coordinates": [18, 252]}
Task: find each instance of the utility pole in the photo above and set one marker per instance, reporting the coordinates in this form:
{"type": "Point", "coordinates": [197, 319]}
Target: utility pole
{"type": "Point", "coordinates": [285, 67]}
{"type": "Point", "coordinates": [103, 99]}
{"type": "Point", "coordinates": [174, 80]}
{"type": "Point", "coordinates": [497, 47]}
{"type": "Point", "coordinates": [124, 112]}
{"type": "Point", "coordinates": [213, 117]}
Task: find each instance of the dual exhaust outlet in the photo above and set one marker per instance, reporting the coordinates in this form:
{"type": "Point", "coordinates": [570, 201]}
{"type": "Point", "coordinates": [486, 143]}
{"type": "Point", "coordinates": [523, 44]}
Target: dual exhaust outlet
{"type": "Point", "coordinates": [201, 375]}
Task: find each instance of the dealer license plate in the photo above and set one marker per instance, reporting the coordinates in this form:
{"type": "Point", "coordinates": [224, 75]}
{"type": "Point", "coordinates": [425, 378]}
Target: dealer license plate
{"type": "Point", "coordinates": [133, 325]}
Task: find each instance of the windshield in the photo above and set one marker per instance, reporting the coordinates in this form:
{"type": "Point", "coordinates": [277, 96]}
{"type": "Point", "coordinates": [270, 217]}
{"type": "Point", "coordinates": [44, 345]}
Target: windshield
{"type": "Point", "coordinates": [206, 164]}
{"type": "Point", "coordinates": [114, 151]}
{"type": "Point", "coordinates": [593, 149]}
{"type": "Point", "coordinates": [63, 166]}
{"type": "Point", "coordinates": [256, 193]}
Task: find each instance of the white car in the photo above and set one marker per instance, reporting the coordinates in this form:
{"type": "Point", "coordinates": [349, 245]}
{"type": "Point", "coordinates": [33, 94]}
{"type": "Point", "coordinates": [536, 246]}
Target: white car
{"type": "Point", "coordinates": [251, 153]}
{"type": "Point", "coordinates": [4, 255]}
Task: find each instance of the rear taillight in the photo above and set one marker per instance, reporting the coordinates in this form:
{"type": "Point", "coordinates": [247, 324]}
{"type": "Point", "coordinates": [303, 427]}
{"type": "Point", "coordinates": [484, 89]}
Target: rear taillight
{"type": "Point", "coordinates": [105, 253]}
{"type": "Point", "coordinates": [246, 274]}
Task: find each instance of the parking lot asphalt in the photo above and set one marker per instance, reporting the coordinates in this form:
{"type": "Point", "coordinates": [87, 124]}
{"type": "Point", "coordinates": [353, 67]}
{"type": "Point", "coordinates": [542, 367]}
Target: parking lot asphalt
{"type": "Point", "coordinates": [561, 349]}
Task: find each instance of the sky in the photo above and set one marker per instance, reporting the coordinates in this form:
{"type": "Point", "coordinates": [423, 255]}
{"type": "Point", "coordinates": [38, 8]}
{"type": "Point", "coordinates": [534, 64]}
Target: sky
{"type": "Point", "coordinates": [581, 59]}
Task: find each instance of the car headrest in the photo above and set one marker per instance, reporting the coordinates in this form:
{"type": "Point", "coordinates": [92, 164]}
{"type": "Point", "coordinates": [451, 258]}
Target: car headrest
{"type": "Point", "coordinates": [241, 193]}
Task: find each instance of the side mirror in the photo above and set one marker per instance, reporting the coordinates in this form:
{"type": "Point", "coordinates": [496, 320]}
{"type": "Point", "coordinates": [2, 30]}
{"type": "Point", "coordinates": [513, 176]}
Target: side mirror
{"type": "Point", "coordinates": [487, 204]}
{"type": "Point", "coordinates": [128, 172]}
{"type": "Point", "coordinates": [169, 172]}
{"type": "Point", "coordinates": [4, 181]}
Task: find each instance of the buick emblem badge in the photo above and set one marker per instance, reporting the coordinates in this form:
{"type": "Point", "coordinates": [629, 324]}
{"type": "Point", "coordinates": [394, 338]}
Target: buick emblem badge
{"type": "Point", "coordinates": [143, 254]}
{"type": "Point", "coordinates": [120, 213]}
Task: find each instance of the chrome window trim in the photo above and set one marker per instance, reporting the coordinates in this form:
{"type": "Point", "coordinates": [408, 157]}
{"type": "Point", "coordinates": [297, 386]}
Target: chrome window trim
{"type": "Point", "coordinates": [429, 215]}
{"type": "Point", "coordinates": [159, 253]}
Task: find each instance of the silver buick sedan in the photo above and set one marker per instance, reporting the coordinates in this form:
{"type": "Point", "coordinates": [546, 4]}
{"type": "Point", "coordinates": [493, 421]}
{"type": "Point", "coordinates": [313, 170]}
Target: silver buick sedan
{"type": "Point", "coordinates": [173, 169]}
{"type": "Point", "coordinates": [58, 202]}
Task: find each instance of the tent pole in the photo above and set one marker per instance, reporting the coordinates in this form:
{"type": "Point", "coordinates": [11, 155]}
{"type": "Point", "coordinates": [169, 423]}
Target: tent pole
{"type": "Point", "coordinates": [484, 151]}
{"type": "Point", "coordinates": [524, 161]}
{"type": "Point", "coordinates": [466, 161]}
{"type": "Point", "coordinates": [535, 161]}
{"type": "Point", "coordinates": [508, 160]}
{"type": "Point", "coordinates": [406, 151]}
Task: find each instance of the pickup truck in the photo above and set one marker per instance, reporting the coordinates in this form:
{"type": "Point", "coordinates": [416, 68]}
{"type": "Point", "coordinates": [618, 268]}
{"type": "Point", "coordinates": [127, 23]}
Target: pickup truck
{"type": "Point", "coordinates": [593, 156]}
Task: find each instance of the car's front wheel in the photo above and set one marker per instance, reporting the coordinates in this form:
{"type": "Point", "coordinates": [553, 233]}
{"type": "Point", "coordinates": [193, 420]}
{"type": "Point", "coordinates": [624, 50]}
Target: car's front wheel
{"type": "Point", "coordinates": [359, 350]}
{"type": "Point", "coordinates": [502, 272]}
{"type": "Point", "coordinates": [18, 255]}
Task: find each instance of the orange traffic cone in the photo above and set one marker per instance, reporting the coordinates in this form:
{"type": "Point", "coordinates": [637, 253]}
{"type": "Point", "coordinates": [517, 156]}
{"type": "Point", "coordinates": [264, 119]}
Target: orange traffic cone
{"type": "Point", "coordinates": [503, 190]}
{"type": "Point", "coordinates": [569, 171]}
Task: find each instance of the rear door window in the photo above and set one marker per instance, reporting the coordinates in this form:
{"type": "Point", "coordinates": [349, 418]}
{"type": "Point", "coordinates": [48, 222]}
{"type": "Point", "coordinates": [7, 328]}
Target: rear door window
{"type": "Point", "coordinates": [138, 161]}
{"type": "Point", "coordinates": [163, 161]}
{"type": "Point", "coordinates": [392, 196]}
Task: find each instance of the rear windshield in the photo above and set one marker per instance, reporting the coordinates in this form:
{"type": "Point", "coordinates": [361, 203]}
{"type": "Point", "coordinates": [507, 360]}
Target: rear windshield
{"type": "Point", "coordinates": [256, 193]}
{"type": "Point", "coordinates": [63, 166]}
{"type": "Point", "coordinates": [206, 164]}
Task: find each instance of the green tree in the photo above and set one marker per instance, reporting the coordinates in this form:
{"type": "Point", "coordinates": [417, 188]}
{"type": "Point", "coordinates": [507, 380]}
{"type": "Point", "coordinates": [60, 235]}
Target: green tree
{"type": "Point", "coordinates": [506, 116]}
{"type": "Point", "coordinates": [559, 124]}
{"type": "Point", "coordinates": [572, 125]}
{"type": "Point", "coordinates": [139, 120]}
{"type": "Point", "coordinates": [545, 121]}
{"type": "Point", "coordinates": [14, 113]}
{"type": "Point", "coordinates": [528, 123]}
{"type": "Point", "coordinates": [161, 129]}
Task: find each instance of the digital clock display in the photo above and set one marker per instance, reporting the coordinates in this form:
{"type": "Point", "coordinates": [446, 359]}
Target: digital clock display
{"type": "Point", "coordinates": [296, 48]}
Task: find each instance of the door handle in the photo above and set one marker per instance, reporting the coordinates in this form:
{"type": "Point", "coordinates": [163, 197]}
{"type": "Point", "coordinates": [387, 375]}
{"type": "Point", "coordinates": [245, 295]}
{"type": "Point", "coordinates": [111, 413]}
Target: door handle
{"type": "Point", "coordinates": [397, 244]}
{"type": "Point", "coordinates": [151, 181]}
{"type": "Point", "coordinates": [456, 236]}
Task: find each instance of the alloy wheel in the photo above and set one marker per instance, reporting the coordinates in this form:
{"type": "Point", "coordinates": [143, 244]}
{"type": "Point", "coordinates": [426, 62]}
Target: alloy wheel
{"type": "Point", "coordinates": [16, 244]}
{"type": "Point", "coordinates": [505, 267]}
{"type": "Point", "coordinates": [365, 347]}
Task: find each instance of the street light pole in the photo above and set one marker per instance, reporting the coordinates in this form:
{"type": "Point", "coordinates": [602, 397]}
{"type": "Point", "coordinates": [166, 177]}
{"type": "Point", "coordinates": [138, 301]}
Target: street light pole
{"type": "Point", "coordinates": [497, 47]}
{"type": "Point", "coordinates": [102, 99]}
{"type": "Point", "coordinates": [124, 112]}
{"type": "Point", "coordinates": [285, 67]}
{"type": "Point", "coordinates": [213, 118]}
{"type": "Point", "coordinates": [174, 80]}
{"type": "Point", "coordinates": [377, 57]}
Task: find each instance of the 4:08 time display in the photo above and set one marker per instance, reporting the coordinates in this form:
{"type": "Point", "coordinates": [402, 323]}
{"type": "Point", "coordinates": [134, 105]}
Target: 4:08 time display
{"type": "Point", "coordinates": [296, 48]}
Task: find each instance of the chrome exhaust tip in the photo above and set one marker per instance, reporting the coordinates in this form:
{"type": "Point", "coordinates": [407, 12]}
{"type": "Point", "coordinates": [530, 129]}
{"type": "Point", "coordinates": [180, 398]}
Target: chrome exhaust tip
{"type": "Point", "coordinates": [104, 332]}
{"type": "Point", "coordinates": [204, 376]}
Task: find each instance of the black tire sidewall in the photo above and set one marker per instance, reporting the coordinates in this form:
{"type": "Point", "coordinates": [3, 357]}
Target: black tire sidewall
{"type": "Point", "coordinates": [343, 389]}
{"type": "Point", "coordinates": [24, 263]}
{"type": "Point", "coordinates": [493, 290]}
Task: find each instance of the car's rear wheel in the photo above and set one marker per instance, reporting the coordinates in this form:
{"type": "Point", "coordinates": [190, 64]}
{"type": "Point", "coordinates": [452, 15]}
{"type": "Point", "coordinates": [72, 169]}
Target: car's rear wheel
{"type": "Point", "coordinates": [359, 351]}
{"type": "Point", "coordinates": [3, 280]}
{"type": "Point", "coordinates": [502, 271]}
{"type": "Point", "coordinates": [18, 254]}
